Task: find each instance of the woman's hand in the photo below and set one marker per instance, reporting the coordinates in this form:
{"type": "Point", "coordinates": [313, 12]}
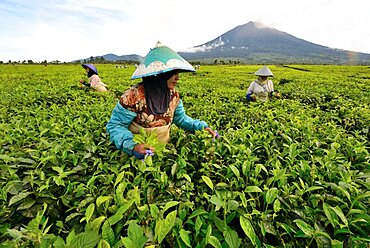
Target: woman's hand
{"type": "Point", "coordinates": [213, 133]}
{"type": "Point", "coordinates": [142, 148]}
{"type": "Point", "coordinates": [276, 94]}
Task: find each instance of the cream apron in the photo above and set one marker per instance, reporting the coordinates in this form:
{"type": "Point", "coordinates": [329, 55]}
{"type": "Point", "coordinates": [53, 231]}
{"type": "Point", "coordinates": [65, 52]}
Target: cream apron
{"type": "Point", "coordinates": [163, 133]}
{"type": "Point", "coordinates": [99, 87]}
{"type": "Point", "coordinates": [263, 96]}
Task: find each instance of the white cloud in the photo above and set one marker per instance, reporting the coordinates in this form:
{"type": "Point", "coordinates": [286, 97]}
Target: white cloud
{"type": "Point", "coordinates": [217, 43]}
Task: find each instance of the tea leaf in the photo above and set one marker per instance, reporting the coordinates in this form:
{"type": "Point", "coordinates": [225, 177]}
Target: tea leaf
{"type": "Point", "coordinates": [26, 204]}
{"type": "Point", "coordinates": [336, 244]}
{"type": "Point", "coordinates": [18, 197]}
{"type": "Point", "coordinates": [103, 244]}
{"type": "Point", "coordinates": [89, 212]}
{"type": "Point", "coordinates": [231, 238]}
{"type": "Point", "coordinates": [198, 225]}
{"type": "Point", "coordinates": [154, 211]}
{"type": "Point", "coordinates": [220, 224]}
{"type": "Point", "coordinates": [329, 214]}
{"type": "Point", "coordinates": [86, 239]}
{"type": "Point", "coordinates": [119, 178]}
{"type": "Point", "coordinates": [208, 181]}
{"type": "Point", "coordinates": [185, 237]}
{"type": "Point", "coordinates": [214, 242]}
{"type": "Point", "coordinates": [119, 214]}
{"type": "Point", "coordinates": [312, 188]}
{"type": "Point", "coordinates": [70, 237]}
{"type": "Point", "coordinates": [163, 227]}
{"type": "Point", "coordinates": [198, 212]}
{"type": "Point", "coordinates": [271, 194]}
{"type": "Point", "coordinates": [208, 233]}
{"type": "Point", "coordinates": [96, 223]}
{"type": "Point", "coordinates": [169, 205]}
{"type": "Point", "coordinates": [305, 228]}
{"type": "Point", "coordinates": [276, 205]}
{"type": "Point", "coordinates": [102, 199]}
{"type": "Point", "coordinates": [135, 238]}
{"type": "Point", "coordinates": [217, 201]}
{"type": "Point", "coordinates": [108, 234]}
{"type": "Point", "coordinates": [251, 189]}
{"type": "Point", "coordinates": [187, 177]}
{"type": "Point", "coordinates": [7, 159]}
{"type": "Point", "coordinates": [235, 170]}
{"type": "Point", "coordinates": [249, 231]}
{"type": "Point", "coordinates": [339, 212]}
{"type": "Point", "coordinates": [71, 216]}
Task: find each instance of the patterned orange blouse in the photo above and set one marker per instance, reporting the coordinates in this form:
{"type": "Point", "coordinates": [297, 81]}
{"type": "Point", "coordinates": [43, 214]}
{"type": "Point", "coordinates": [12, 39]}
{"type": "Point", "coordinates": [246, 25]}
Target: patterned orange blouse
{"type": "Point", "coordinates": [134, 100]}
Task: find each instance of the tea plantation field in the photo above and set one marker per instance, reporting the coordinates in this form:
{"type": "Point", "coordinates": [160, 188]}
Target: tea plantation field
{"type": "Point", "coordinates": [292, 172]}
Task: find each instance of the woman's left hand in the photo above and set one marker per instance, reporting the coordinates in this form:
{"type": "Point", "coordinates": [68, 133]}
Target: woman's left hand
{"type": "Point", "coordinates": [213, 133]}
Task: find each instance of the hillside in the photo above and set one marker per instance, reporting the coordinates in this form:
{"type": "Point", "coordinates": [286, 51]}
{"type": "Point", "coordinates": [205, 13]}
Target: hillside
{"type": "Point", "coordinates": [253, 43]}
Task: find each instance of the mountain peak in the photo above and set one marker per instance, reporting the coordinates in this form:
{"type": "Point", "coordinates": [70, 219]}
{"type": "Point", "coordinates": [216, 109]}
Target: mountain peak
{"type": "Point", "coordinates": [253, 25]}
{"type": "Point", "coordinates": [255, 42]}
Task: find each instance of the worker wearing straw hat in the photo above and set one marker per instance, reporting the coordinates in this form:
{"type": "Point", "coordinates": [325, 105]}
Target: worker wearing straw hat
{"type": "Point", "coordinates": [94, 79]}
{"type": "Point", "coordinates": [153, 104]}
{"type": "Point", "coordinates": [261, 89]}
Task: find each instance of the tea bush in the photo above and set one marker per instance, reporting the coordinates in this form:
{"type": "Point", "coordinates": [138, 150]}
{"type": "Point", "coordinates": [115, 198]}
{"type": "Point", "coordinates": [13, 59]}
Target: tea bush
{"type": "Point", "coordinates": [293, 172]}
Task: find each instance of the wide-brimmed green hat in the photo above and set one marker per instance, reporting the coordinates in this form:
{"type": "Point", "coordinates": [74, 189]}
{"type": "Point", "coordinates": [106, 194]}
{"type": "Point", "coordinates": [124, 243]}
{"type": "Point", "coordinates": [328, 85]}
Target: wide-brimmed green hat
{"type": "Point", "coordinates": [264, 71]}
{"type": "Point", "coordinates": [161, 59]}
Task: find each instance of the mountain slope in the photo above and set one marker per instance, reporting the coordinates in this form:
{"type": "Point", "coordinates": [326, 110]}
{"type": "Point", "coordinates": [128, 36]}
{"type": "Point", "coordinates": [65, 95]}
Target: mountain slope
{"type": "Point", "coordinates": [254, 43]}
{"type": "Point", "coordinates": [113, 57]}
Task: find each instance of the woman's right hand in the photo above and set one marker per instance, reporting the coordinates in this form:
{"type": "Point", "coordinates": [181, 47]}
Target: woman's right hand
{"type": "Point", "coordinates": [213, 133]}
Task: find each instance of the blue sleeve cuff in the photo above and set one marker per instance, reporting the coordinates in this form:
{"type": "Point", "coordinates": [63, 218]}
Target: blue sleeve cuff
{"type": "Point", "coordinates": [249, 97]}
{"type": "Point", "coordinates": [138, 155]}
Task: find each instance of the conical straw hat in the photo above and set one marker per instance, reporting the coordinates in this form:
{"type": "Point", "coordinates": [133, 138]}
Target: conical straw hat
{"type": "Point", "coordinates": [91, 66]}
{"type": "Point", "coordinates": [161, 59]}
{"type": "Point", "coordinates": [264, 71]}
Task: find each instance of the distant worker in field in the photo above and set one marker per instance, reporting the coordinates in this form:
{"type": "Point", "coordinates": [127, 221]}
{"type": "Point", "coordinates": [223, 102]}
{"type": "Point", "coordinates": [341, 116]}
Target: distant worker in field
{"type": "Point", "coordinates": [262, 89]}
{"type": "Point", "coordinates": [153, 104]}
{"type": "Point", "coordinates": [94, 80]}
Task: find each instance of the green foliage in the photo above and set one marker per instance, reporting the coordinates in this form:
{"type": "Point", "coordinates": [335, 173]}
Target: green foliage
{"type": "Point", "coordinates": [135, 238]}
{"type": "Point", "coordinates": [292, 172]}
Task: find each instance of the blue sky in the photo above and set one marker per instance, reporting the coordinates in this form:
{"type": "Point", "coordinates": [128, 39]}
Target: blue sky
{"type": "Point", "coordinates": [66, 30]}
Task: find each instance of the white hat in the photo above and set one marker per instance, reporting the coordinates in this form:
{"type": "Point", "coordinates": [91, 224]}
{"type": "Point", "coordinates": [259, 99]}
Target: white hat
{"type": "Point", "coordinates": [264, 71]}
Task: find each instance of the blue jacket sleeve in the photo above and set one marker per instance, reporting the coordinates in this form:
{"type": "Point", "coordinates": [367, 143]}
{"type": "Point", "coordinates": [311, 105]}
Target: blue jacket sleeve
{"type": "Point", "coordinates": [249, 97]}
{"type": "Point", "coordinates": [180, 119]}
{"type": "Point", "coordinates": [117, 128]}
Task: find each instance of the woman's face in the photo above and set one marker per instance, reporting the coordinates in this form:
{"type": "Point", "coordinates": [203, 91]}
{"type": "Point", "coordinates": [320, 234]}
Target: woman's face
{"type": "Point", "coordinates": [172, 81]}
{"type": "Point", "coordinates": [263, 78]}
{"type": "Point", "coordinates": [87, 69]}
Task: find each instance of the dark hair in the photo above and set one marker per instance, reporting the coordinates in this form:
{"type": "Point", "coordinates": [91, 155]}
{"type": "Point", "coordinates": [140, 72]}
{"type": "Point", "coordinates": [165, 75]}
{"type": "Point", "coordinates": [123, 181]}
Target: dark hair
{"type": "Point", "coordinates": [91, 72]}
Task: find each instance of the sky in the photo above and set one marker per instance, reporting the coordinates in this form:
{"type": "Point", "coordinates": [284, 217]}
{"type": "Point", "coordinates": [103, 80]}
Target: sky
{"type": "Point", "coordinates": [68, 30]}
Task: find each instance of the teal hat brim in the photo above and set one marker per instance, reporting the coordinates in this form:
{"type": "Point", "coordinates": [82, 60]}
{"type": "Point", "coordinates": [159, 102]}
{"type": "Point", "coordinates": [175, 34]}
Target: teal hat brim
{"type": "Point", "coordinates": [159, 60]}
